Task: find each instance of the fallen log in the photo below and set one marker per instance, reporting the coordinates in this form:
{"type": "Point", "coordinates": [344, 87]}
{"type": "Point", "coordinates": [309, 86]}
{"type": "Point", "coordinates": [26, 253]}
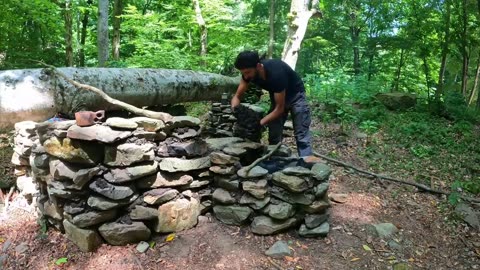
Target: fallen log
{"type": "Point", "coordinates": [37, 94]}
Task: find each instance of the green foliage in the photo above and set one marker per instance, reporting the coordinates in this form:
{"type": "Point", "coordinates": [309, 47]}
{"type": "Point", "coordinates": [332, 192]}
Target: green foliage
{"type": "Point", "coordinates": [369, 126]}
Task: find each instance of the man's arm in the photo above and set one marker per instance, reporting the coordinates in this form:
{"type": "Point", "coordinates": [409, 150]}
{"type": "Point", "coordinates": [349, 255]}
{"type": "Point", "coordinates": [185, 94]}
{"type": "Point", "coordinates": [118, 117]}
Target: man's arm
{"type": "Point", "coordinates": [278, 110]}
{"type": "Point", "coordinates": [242, 88]}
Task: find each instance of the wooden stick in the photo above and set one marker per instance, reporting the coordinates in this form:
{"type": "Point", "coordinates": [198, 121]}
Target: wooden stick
{"type": "Point", "coordinates": [276, 265]}
{"type": "Point", "coordinates": [378, 176]}
{"type": "Point", "coordinates": [258, 160]}
{"type": "Point", "coordinates": [155, 115]}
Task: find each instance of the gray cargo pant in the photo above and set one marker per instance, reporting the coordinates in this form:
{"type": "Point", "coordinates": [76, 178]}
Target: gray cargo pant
{"type": "Point", "coordinates": [301, 124]}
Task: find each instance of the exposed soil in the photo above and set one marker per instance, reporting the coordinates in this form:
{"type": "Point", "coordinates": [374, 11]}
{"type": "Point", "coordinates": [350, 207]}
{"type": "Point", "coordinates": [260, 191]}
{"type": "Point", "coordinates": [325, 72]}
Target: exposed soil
{"type": "Point", "coordinates": [428, 238]}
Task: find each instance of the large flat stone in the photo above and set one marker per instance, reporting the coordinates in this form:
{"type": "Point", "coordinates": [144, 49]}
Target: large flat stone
{"type": "Point", "coordinates": [119, 234]}
{"type": "Point", "coordinates": [143, 213]}
{"type": "Point", "coordinates": [128, 153]}
{"type": "Point", "coordinates": [232, 214]}
{"type": "Point", "coordinates": [102, 203]}
{"type": "Point", "coordinates": [164, 179]}
{"type": "Point", "coordinates": [220, 158]}
{"type": "Point", "coordinates": [222, 196]}
{"type": "Point", "coordinates": [321, 230]}
{"type": "Point", "coordinates": [257, 189]}
{"type": "Point", "coordinates": [184, 165]}
{"type": "Point", "coordinates": [255, 172]}
{"type": "Point", "coordinates": [293, 198]}
{"type": "Point", "coordinates": [74, 151]}
{"type": "Point", "coordinates": [122, 175]}
{"type": "Point", "coordinates": [159, 196]}
{"type": "Point", "coordinates": [121, 123]}
{"type": "Point", "coordinates": [290, 182]}
{"type": "Point", "coordinates": [87, 240]}
{"type": "Point", "coordinates": [93, 218]}
{"type": "Point", "coordinates": [253, 202]}
{"type": "Point", "coordinates": [97, 133]}
{"type": "Point", "coordinates": [321, 171]}
{"type": "Point", "coordinates": [149, 124]}
{"type": "Point", "coordinates": [216, 144]}
{"type": "Point", "coordinates": [111, 191]}
{"type": "Point", "coordinates": [265, 225]}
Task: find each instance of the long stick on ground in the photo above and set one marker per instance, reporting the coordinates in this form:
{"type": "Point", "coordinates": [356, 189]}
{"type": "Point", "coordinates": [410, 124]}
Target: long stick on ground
{"type": "Point", "coordinates": [419, 186]}
{"type": "Point", "coordinates": [155, 115]}
{"type": "Point", "coordinates": [260, 159]}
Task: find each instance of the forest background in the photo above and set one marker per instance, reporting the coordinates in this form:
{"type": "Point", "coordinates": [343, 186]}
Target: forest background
{"type": "Point", "coordinates": [346, 51]}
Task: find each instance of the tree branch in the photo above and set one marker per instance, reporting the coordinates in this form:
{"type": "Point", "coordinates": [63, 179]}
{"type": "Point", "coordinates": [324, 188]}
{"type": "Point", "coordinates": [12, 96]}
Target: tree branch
{"type": "Point", "coordinates": [378, 176]}
{"type": "Point", "coordinates": [260, 159]}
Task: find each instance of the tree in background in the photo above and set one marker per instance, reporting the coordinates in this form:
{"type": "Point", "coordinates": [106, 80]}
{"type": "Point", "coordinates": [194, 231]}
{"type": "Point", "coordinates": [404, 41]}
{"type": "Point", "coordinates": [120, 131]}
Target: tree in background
{"type": "Point", "coordinates": [102, 33]}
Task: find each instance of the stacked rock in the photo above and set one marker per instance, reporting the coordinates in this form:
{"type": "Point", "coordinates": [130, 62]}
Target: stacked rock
{"type": "Point", "coordinates": [273, 202]}
{"type": "Point", "coordinates": [221, 120]}
{"type": "Point", "coordinates": [248, 122]}
{"type": "Point", "coordinates": [24, 138]}
{"type": "Point", "coordinates": [119, 181]}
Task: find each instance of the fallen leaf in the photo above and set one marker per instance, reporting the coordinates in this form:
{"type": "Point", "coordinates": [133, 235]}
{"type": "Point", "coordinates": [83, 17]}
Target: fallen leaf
{"type": "Point", "coordinates": [298, 267]}
{"type": "Point", "coordinates": [152, 244]}
{"type": "Point", "coordinates": [411, 260]}
{"type": "Point", "coordinates": [170, 237]}
{"type": "Point", "coordinates": [291, 259]}
{"type": "Point", "coordinates": [367, 248]}
{"type": "Point", "coordinates": [2, 239]}
{"type": "Point", "coordinates": [61, 261]}
{"type": "Point", "coordinates": [355, 259]}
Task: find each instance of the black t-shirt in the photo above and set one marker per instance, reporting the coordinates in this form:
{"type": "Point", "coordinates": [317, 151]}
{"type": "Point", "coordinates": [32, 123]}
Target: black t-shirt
{"type": "Point", "coordinates": [279, 77]}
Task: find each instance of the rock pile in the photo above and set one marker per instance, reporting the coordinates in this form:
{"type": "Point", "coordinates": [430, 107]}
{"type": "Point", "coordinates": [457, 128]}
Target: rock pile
{"type": "Point", "coordinates": [122, 180]}
{"type": "Point", "coordinates": [244, 122]}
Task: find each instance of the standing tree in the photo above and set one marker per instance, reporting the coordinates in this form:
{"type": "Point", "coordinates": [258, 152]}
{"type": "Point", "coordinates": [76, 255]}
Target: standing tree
{"type": "Point", "coordinates": [271, 22]}
{"type": "Point", "coordinates": [102, 32]}
{"type": "Point", "coordinates": [203, 29]}
{"type": "Point", "coordinates": [300, 13]}
{"type": "Point", "coordinates": [67, 14]}
{"type": "Point", "coordinates": [117, 20]}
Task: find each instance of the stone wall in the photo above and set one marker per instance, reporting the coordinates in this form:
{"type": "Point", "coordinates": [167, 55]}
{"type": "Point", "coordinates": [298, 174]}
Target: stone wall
{"type": "Point", "coordinates": [122, 180]}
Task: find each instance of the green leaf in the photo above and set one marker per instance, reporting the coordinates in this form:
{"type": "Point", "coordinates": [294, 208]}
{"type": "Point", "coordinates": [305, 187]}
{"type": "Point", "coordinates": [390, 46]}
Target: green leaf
{"type": "Point", "coordinates": [61, 261]}
{"type": "Point", "coordinates": [152, 244]}
{"type": "Point", "coordinates": [367, 248]}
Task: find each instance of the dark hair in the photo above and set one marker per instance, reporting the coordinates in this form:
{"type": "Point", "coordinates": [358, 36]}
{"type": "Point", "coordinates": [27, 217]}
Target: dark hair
{"type": "Point", "coordinates": [247, 59]}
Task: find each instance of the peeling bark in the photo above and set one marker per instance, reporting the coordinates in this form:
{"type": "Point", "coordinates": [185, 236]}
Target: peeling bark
{"type": "Point", "coordinates": [34, 94]}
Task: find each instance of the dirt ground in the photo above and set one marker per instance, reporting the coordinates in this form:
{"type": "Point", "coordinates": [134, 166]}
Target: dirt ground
{"type": "Point", "coordinates": [428, 238]}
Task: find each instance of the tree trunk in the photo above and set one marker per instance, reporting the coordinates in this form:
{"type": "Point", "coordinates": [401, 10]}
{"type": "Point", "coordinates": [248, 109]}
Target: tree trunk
{"type": "Point", "coordinates": [299, 16]}
{"type": "Point", "coordinates": [443, 61]}
{"type": "Point", "coordinates": [475, 83]}
{"type": "Point", "coordinates": [399, 71]}
{"type": "Point", "coordinates": [355, 37]}
{"type": "Point", "coordinates": [102, 32]}
{"type": "Point", "coordinates": [464, 50]}
{"type": "Point", "coordinates": [117, 20]}
{"type": "Point", "coordinates": [68, 34]}
{"type": "Point", "coordinates": [271, 22]}
{"type": "Point", "coordinates": [34, 94]}
{"type": "Point", "coordinates": [84, 33]}
{"type": "Point", "coordinates": [426, 70]}
{"type": "Point", "coordinates": [203, 29]}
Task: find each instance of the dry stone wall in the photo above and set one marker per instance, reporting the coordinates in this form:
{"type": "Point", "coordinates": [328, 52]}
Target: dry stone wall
{"type": "Point", "coordinates": [123, 180]}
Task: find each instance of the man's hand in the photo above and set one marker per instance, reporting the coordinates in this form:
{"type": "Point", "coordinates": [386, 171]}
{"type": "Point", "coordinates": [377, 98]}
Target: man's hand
{"type": "Point", "coordinates": [235, 102]}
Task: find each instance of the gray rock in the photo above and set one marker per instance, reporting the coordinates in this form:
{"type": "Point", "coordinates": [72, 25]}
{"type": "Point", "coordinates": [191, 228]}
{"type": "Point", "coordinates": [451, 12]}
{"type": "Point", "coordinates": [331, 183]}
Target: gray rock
{"type": "Point", "coordinates": [149, 135]}
{"type": "Point", "coordinates": [395, 245]}
{"type": "Point", "coordinates": [249, 146]}
{"type": "Point", "coordinates": [297, 171]}
{"type": "Point", "coordinates": [321, 230]}
{"type": "Point", "coordinates": [61, 170]}
{"type": "Point", "coordinates": [26, 185]}
{"type": "Point", "coordinates": [111, 191]}
{"type": "Point", "coordinates": [164, 179]}
{"type": "Point", "coordinates": [122, 175]}
{"type": "Point", "coordinates": [254, 202]}
{"type": "Point", "coordinates": [223, 170]}
{"type": "Point", "coordinates": [21, 248]}
{"type": "Point", "coordinates": [198, 184]}
{"type": "Point", "coordinates": [290, 182]}
{"type": "Point", "coordinates": [316, 207]}
{"type": "Point", "coordinates": [128, 153]}
{"type": "Point", "coordinates": [282, 210]}
{"type": "Point", "coordinates": [60, 189]}
{"type": "Point", "coordinates": [73, 208]}
{"type": "Point", "coordinates": [143, 213]}
{"type": "Point", "coordinates": [222, 196]}
{"type": "Point", "coordinates": [53, 210]}
{"type": "Point", "coordinates": [83, 176]}
{"type": "Point", "coordinates": [397, 100]}
{"type": "Point", "coordinates": [265, 225]}
{"type": "Point", "coordinates": [39, 160]}
{"type": "Point", "coordinates": [382, 230]}
{"type": "Point", "coordinates": [190, 149]}
{"type": "Point", "coordinates": [142, 247]}
{"type": "Point", "coordinates": [183, 135]}
{"type": "Point", "coordinates": [468, 214]}
{"type": "Point", "coordinates": [216, 144]}
{"type": "Point", "coordinates": [255, 172]}
{"type": "Point", "coordinates": [293, 198]}
{"type": "Point", "coordinates": [97, 133]}
{"type": "Point", "coordinates": [87, 240]}
{"type": "Point", "coordinates": [313, 221]}
{"type": "Point", "coordinates": [321, 190]}
{"type": "Point", "coordinates": [74, 151]}
{"type": "Point", "coordinates": [279, 250]}
{"type": "Point", "coordinates": [159, 195]}
{"type": "Point", "coordinates": [184, 165]}
{"type": "Point", "coordinates": [227, 183]}
{"type": "Point", "coordinates": [185, 121]}
{"type": "Point", "coordinates": [102, 203]}
{"type": "Point", "coordinates": [93, 218]}
{"type": "Point", "coordinates": [321, 171]}
{"type": "Point", "coordinates": [232, 214]}
{"type": "Point", "coordinates": [338, 197]}
{"type": "Point", "coordinates": [282, 151]}
{"type": "Point", "coordinates": [220, 158]}
{"type": "Point", "coordinates": [122, 123]}
{"type": "Point", "coordinates": [119, 234]}
{"type": "Point", "coordinates": [177, 215]}
{"type": "Point", "coordinates": [25, 128]}
{"type": "Point", "coordinates": [233, 151]}
{"type": "Point", "coordinates": [149, 124]}
{"type": "Point", "coordinates": [256, 189]}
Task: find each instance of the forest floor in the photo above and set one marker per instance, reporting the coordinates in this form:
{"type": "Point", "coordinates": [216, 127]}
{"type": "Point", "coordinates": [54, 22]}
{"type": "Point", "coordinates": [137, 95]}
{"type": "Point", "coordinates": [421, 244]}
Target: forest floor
{"type": "Point", "coordinates": [428, 238]}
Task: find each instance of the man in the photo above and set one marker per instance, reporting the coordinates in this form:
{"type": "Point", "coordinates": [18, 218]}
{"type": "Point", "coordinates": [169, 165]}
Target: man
{"type": "Point", "coordinates": [287, 94]}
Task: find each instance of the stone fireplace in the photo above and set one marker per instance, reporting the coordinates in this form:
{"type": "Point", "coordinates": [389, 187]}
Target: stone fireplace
{"type": "Point", "coordinates": [122, 180]}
